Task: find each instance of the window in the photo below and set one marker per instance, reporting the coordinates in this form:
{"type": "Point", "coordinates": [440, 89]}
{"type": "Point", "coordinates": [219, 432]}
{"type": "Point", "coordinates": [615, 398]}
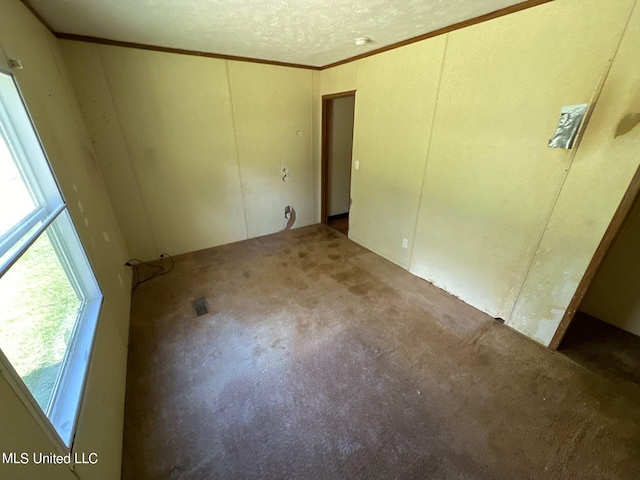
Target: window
{"type": "Point", "coordinates": [49, 297]}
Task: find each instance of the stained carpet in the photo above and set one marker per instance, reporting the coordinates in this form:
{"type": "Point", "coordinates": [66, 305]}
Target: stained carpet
{"type": "Point", "coordinates": [321, 360]}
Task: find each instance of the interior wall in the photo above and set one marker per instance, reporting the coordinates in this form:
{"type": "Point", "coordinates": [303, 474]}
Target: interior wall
{"type": "Point", "coordinates": [339, 154]}
{"type": "Point", "coordinates": [50, 99]}
{"type": "Point", "coordinates": [614, 295]}
{"type": "Point", "coordinates": [491, 181]}
{"type": "Point", "coordinates": [193, 149]}
{"type": "Point", "coordinates": [395, 103]}
{"type": "Point", "coordinates": [334, 80]}
{"type": "Point", "coordinates": [451, 134]}
{"type": "Point", "coordinates": [600, 175]}
{"type": "Point", "coordinates": [272, 117]}
{"type": "Point", "coordinates": [316, 150]}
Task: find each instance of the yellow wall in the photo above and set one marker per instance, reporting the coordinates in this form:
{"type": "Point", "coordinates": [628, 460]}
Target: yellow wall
{"type": "Point", "coordinates": [491, 180]}
{"type": "Point", "coordinates": [451, 136]}
{"type": "Point", "coordinates": [597, 180]}
{"type": "Point", "coordinates": [614, 295]}
{"type": "Point", "coordinates": [53, 106]}
{"type": "Point", "coordinates": [334, 80]}
{"type": "Point", "coordinates": [192, 148]}
{"type": "Point", "coordinates": [395, 99]}
{"type": "Point", "coordinates": [272, 115]}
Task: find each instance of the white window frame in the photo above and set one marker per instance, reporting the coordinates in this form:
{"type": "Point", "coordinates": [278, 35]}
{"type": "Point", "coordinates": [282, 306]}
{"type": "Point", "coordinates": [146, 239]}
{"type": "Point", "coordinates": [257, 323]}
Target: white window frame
{"type": "Point", "coordinates": [51, 217]}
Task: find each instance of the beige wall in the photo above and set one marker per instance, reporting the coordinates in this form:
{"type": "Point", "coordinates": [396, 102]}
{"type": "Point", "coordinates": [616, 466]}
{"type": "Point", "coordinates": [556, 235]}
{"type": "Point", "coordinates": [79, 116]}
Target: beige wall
{"type": "Point", "coordinates": [53, 106]}
{"type": "Point", "coordinates": [599, 177]}
{"type": "Point", "coordinates": [334, 80]}
{"type": "Point", "coordinates": [192, 149]}
{"type": "Point", "coordinates": [451, 136]}
{"type": "Point", "coordinates": [339, 154]}
{"type": "Point", "coordinates": [614, 295]}
{"type": "Point", "coordinates": [395, 100]}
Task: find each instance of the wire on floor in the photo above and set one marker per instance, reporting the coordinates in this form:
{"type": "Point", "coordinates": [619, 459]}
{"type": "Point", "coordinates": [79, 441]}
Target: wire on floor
{"type": "Point", "coordinates": [161, 270]}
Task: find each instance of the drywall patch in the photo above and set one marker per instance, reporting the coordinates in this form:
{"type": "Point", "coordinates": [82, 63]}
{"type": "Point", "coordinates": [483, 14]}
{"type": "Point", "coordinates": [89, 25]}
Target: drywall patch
{"type": "Point", "coordinates": [627, 124]}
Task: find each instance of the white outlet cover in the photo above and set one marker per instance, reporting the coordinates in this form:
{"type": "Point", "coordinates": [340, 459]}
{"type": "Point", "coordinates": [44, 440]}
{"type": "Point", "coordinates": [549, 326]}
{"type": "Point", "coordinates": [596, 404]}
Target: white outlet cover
{"type": "Point", "coordinates": [357, 165]}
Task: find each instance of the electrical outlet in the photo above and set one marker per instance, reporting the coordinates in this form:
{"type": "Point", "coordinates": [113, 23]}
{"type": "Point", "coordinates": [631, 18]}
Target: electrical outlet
{"type": "Point", "coordinates": [405, 243]}
{"type": "Point", "coordinates": [356, 165]}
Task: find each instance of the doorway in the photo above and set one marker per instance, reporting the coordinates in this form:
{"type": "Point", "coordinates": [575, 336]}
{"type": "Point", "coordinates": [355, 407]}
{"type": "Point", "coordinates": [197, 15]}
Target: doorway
{"type": "Point", "coordinates": [601, 327]}
{"type": "Point", "coordinates": [605, 332]}
{"type": "Point", "coordinates": [623, 212]}
{"type": "Point", "coordinates": [337, 147]}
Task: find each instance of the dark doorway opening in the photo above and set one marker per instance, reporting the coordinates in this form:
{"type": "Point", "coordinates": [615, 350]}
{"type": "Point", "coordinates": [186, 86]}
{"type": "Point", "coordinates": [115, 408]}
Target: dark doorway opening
{"type": "Point", "coordinates": [630, 197]}
{"type": "Point", "coordinates": [339, 222]}
{"type": "Point", "coordinates": [337, 146]}
{"type": "Point", "coordinates": [604, 335]}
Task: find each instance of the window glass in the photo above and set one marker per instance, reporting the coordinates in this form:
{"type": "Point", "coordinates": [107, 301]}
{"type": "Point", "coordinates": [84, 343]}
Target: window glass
{"type": "Point", "coordinates": [39, 307]}
{"type": "Point", "coordinates": [49, 297]}
{"type": "Point", "coordinates": [14, 192]}
{"type": "Point", "coordinates": [19, 244]}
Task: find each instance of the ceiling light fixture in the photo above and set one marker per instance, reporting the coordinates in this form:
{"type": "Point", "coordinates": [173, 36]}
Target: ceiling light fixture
{"type": "Point", "coordinates": [360, 41]}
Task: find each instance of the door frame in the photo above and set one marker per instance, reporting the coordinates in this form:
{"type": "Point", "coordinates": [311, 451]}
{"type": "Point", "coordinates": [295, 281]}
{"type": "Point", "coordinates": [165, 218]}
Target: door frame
{"type": "Point", "coordinates": [610, 235]}
{"type": "Point", "coordinates": [326, 130]}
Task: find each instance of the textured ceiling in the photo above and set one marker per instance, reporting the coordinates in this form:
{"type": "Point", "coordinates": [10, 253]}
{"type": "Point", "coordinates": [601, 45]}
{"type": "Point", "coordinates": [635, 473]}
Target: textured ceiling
{"type": "Point", "coordinates": [306, 32]}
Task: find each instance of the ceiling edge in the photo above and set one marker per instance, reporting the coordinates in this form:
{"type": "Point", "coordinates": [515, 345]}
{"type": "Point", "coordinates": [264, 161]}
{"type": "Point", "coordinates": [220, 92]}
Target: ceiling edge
{"type": "Point", "coordinates": [37, 15]}
{"type": "Point", "coordinates": [457, 26]}
{"type": "Point", "coordinates": [179, 51]}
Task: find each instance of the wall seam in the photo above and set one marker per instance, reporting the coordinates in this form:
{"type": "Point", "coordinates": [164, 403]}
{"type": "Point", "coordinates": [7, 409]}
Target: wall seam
{"type": "Point", "coordinates": [428, 152]}
{"type": "Point", "coordinates": [126, 145]}
{"type": "Point", "coordinates": [235, 142]}
{"type": "Point", "coordinates": [353, 143]}
{"type": "Point", "coordinates": [108, 209]}
{"type": "Point", "coordinates": [314, 174]}
{"type": "Point", "coordinates": [574, 151]}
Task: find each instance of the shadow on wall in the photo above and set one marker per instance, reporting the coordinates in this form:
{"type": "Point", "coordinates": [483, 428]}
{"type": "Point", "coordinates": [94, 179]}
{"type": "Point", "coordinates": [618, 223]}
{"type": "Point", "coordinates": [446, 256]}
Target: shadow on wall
{"type": "Point", "coordinates": [627, 124]}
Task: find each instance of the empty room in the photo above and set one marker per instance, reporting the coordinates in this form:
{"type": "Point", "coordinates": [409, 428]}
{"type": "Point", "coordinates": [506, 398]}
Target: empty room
{"type": "Point", "coordinates": [319, 240]}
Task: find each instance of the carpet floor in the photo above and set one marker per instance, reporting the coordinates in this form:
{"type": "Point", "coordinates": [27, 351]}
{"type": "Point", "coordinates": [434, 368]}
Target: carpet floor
{"type": "Point", "coordinates": [339, 224]}
{"type": "Point", "coordinates": [319, 359]}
